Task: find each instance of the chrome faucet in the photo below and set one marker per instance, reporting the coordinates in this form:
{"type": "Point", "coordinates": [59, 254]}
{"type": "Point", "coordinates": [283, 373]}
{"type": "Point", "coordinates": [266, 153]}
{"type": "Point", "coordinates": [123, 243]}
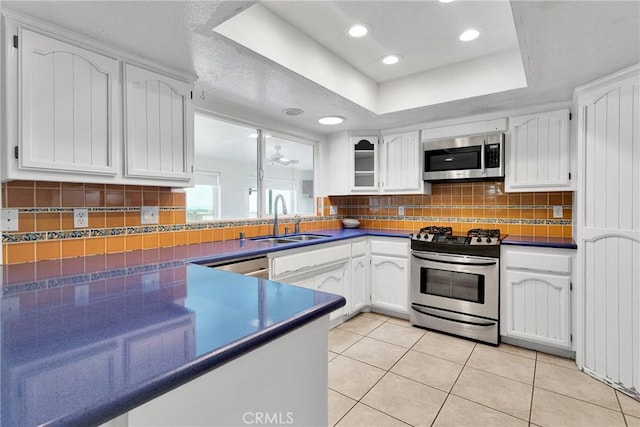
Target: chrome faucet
{"type": "Point", "coordinates": [275, 212]}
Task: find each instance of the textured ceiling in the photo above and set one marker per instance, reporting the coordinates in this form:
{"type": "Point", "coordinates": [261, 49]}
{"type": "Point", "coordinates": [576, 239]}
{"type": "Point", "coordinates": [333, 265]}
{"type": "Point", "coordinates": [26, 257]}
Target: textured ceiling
{"type": "Point", "coordinates": [563, 43]}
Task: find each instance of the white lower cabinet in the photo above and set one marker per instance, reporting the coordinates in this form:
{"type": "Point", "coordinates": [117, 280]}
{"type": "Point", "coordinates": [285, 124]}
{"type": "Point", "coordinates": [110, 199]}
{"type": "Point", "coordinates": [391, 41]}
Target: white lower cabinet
{"type": "Point", "coordinates": [536, 295]}
{"type": "Point", "coordinates": [325, 268]}
{"type": "Point", "coordinates": [359, 283]}
{"type": "Point", "coordinates": [379, 280]}
{"type": "Point", "coordinates": [390, 274]}
{"type": "Point", "coordinates": [335, 281]}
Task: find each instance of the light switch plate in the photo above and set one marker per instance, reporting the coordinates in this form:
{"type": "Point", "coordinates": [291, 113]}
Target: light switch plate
{"type": "Point", "coordinates": [400, 210]}
{"type": "Point", "coordinates": [80, 218]}
{"type": "Point", "coordinates": [9, 220]}
{"type": "Point", "coordinates": [149, 214]}
{"type": "Point", "coordinates": [333, 210]}
{"type": "Point", "coordinates": [557, 211]}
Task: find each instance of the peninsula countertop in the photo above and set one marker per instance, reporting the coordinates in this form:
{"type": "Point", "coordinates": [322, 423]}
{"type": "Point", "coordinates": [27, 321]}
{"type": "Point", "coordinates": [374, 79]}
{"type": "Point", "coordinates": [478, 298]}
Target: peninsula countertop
{"type": "Point", "coordinates": [87, 339]}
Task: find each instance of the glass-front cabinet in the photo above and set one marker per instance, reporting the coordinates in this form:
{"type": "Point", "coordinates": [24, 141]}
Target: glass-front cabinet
{"type": "Point", "coordinates": [365, 161]}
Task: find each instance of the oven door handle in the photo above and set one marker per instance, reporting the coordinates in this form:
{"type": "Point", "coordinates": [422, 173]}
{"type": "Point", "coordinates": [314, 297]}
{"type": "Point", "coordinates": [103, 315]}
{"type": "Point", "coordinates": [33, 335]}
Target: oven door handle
{"type": "Point", "coordinates": [456, 262]}
{"type": "Point", "coordinates": [466, 322]}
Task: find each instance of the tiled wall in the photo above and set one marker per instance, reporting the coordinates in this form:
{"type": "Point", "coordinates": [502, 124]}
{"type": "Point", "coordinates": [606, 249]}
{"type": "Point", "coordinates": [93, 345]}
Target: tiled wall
{"type": "Point", "coordinates": [46, 221]}
{"type": "Point", "coordinates": [46, 216]}
{"type": "Point", "coordinates": [463, 206]}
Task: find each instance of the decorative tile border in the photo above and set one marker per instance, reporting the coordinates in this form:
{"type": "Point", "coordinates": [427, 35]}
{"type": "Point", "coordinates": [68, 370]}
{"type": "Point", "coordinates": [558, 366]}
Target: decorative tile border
{"type": "Point", "coordinates": [16, 237]}
{"type": "Point", "coordinates": [431, 219]}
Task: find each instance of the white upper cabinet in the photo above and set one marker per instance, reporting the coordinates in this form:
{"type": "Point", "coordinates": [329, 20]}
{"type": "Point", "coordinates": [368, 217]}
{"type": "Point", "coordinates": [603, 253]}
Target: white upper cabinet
{"type": "Point", "coordinates": [69, 107]}
{"type": "Point", "coordinates": [159, 125]}
{"type": "Point", "coordinates": [401, 163]}
{"type": "Point", "coordinates": [538, 157]}
{"type": "Point", "coordinates": [367, 165]}
{"type": "Point", "coordinates": [76, 110]}
{"type": "Point", "coordinates": [365, 155]}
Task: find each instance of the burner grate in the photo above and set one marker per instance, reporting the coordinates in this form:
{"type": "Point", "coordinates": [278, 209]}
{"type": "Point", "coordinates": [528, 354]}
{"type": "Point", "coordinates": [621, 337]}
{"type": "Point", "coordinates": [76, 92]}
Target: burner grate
{"type": "Point", "coordinates": [483, 232]}
{"type": "Point", "coordinates": [434, 229]}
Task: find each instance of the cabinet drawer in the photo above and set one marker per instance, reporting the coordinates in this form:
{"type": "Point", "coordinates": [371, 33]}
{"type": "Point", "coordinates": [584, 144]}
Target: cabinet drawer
{"type": "Point", "coordinates": [307, 260]}
{"type": "Point", "coordinates": [387, 247]}
{"type": "Point", "coordinates": [358, 248]}
{"type": "Point", "coordinates": [559, 263]}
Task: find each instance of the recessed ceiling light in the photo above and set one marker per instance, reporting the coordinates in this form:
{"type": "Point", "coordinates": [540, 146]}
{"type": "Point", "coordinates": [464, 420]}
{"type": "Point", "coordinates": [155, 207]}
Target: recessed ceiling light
{"type": "Point", "coordinates": [331, 120]}
{"type": "Point", "coordinates": [445, 1]}
{"type": "Point", "coordinates": [469, 35]}
{"type": "Point", "coordinates": [358, 30]}
{"type": "Point", "coordinates": [292, 111]}
{"type": "Point", "coordinates": [391, 59]}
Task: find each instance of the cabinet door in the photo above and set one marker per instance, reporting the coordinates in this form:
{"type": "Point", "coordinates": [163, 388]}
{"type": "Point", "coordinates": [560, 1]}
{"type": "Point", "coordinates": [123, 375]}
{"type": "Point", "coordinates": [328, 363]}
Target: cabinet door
{"type": "Point", "coordinates": [538, 307]}
{"type": "Point", "coordinates": [609, 229]}
{"type": "Point", "coordinates": [538, 152]}
{"type": "Point", "coordinates": [69, 107]}
{"type": "Point", "coordinates": [401, 163]}
{"type": "Point", "coordinates": [159, 126]}
{"type": "Point", "coordinates": [359, 283]}
{"type": "Point", "coordinates": [390, 282]}
{"type": "Point", "coordinates": [334, 281]}
{"type": "Point", "coordinates": [365, 164]}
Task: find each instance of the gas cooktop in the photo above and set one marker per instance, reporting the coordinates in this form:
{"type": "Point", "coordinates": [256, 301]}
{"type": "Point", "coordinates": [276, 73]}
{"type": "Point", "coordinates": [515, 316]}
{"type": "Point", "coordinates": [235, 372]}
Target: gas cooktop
{"type": "Point", "coordinates": [478, 241]}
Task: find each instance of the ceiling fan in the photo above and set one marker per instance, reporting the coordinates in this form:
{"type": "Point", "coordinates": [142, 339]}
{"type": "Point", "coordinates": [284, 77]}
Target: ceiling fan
{"type": "Point", "coordinates": [278, 158]}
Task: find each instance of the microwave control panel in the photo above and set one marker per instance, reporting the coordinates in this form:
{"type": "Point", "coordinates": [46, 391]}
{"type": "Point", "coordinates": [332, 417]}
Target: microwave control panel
{"type": "Point", "coordinates": [492, 156]}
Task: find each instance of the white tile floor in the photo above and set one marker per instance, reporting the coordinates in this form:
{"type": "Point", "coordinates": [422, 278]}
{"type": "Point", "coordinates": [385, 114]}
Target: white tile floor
{"type": "Point", "coordinates": [384, 372]}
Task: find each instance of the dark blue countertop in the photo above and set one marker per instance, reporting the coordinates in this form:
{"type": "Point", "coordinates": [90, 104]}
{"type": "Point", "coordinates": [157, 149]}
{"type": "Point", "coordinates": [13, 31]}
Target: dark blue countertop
{"type": "Point", "coordinates": [541, 242]}
{"type": "Point", "coordinates": [87, 339]}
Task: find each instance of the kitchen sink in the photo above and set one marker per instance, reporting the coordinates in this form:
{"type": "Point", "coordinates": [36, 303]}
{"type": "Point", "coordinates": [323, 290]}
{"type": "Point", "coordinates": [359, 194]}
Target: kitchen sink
{"type": "Point", "coordinates": [305, 237]}
{"type": "Point", "coordinates": [290, 238]}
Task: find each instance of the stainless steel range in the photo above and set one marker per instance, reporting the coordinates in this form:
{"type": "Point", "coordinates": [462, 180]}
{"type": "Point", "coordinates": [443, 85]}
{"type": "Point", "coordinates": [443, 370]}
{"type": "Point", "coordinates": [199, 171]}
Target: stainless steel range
{"type": "Point", "coordinates": [455, 284]}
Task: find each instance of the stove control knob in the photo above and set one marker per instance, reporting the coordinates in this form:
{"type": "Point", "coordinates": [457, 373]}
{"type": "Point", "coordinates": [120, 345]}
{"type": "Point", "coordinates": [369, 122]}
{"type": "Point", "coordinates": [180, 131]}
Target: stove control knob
{"type": "Point", "coordinates": [488, 239]}
{"type": "Point", "coordinates": [479, 239]}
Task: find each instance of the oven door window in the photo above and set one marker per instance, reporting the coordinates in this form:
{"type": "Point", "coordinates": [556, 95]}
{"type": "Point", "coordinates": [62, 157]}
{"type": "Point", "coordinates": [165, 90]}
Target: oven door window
{"type": "Point", "coordinates": [453, 159]}
{"type": "Point", "coordinates": [452, 284]}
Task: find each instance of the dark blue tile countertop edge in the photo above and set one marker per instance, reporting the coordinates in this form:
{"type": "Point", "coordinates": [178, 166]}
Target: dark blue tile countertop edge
{"type": "Point", "coordinates": [541, 242]}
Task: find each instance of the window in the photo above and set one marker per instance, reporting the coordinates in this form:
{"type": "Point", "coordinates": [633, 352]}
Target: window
{"type": "Point", "coordinates": [203, 200]}
{"type": "Point", "coordinates": [288, 167]}
{"type": "Point", "coordinates": [228, 167]}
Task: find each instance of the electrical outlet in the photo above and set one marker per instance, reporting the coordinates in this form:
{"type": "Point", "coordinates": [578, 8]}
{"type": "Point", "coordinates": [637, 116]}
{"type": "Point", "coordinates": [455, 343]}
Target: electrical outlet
{"type": "Point", "coordinates": [557, 211]}
{"type": "Point", "coordinates": [400, 210]}
{"type": "Point", "coordinates": [80, 218]}
{"type": "Point", "coordinates": [333, 210]}
{"type": "Point", "coordinates": [149, 214]}
{"type": "Point", "coordinates": [9, 220]}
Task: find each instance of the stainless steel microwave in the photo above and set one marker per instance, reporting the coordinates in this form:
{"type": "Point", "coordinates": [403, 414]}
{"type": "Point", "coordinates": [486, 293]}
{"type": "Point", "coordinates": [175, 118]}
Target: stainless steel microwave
{"type": "Point", "coordinates": [471, 157]}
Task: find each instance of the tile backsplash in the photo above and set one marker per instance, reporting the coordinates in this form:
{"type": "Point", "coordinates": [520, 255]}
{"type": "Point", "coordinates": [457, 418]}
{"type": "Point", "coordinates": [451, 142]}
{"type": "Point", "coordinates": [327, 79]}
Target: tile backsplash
{"type": "Point", "coordinates": [46, 221]}
{"type": "Point", "coordinates": [463, 206]}
{"type": "Point", "coordinates": [46, 216]}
